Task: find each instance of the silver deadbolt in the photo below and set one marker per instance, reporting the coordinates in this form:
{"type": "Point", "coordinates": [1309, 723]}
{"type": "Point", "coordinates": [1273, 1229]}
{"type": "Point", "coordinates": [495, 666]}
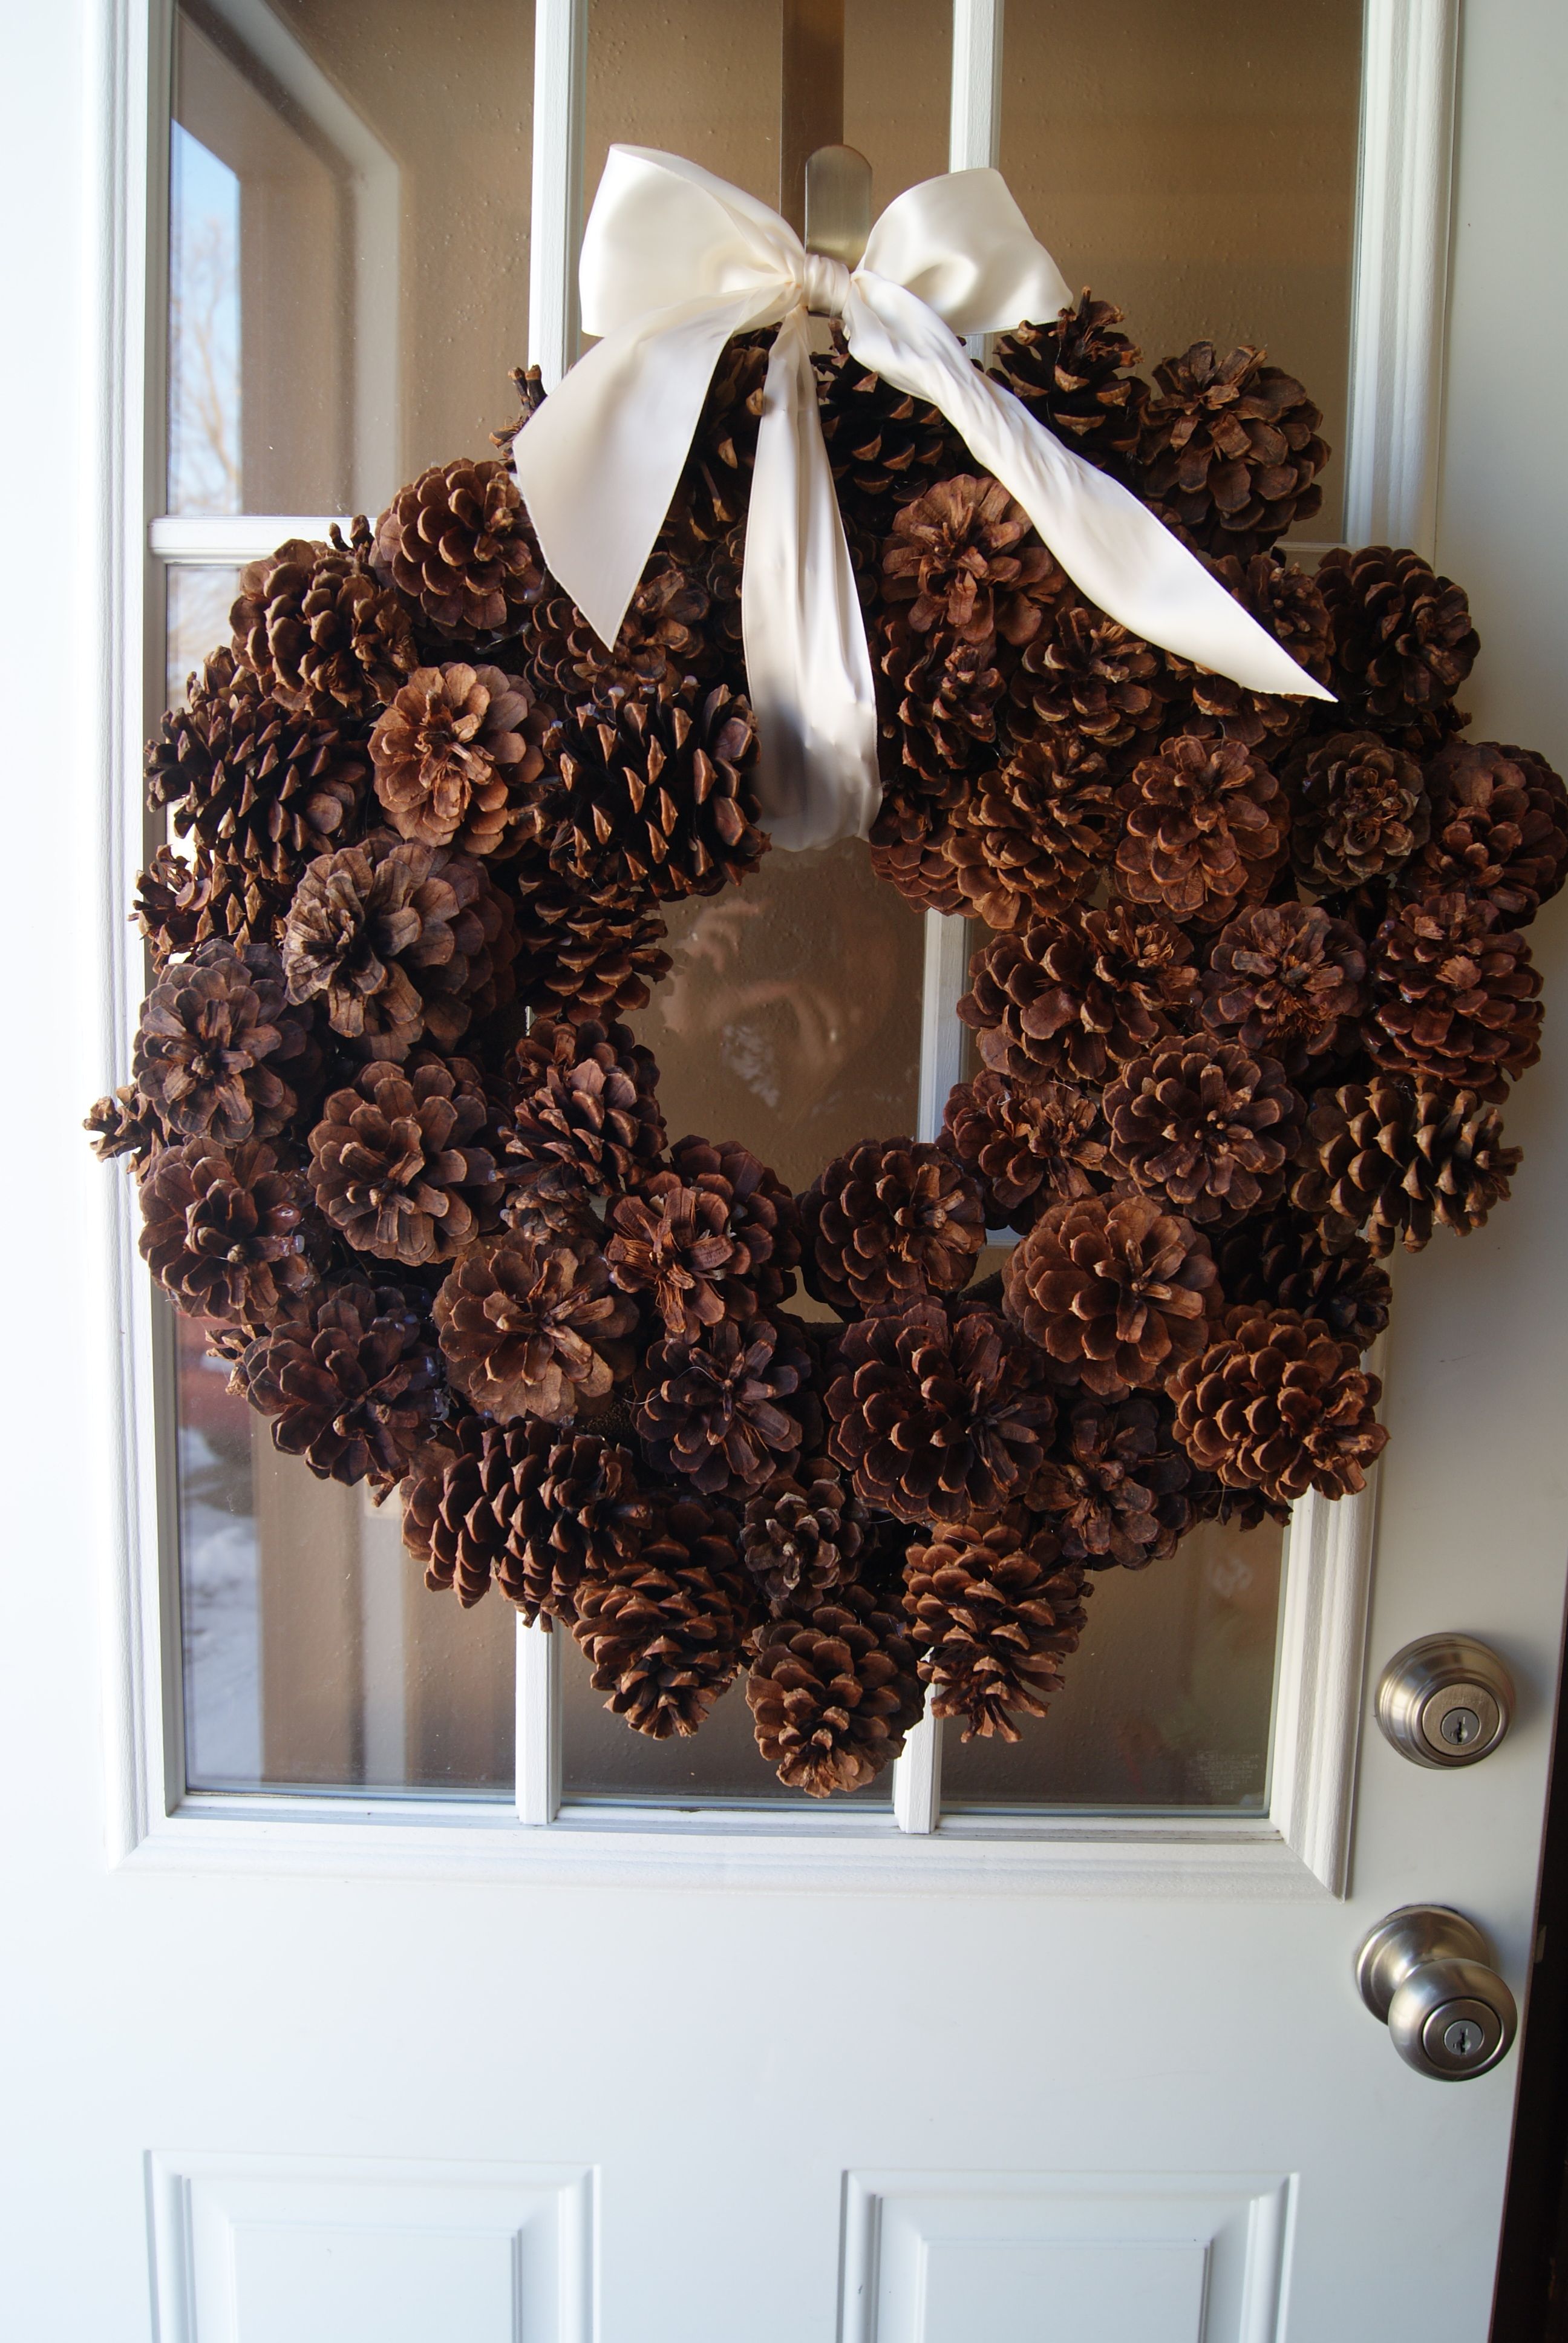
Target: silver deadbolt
{"type": "Point", "coordinates": [1427, 1972]}
{"type": "Point", "coordinates": [1445, 1700]}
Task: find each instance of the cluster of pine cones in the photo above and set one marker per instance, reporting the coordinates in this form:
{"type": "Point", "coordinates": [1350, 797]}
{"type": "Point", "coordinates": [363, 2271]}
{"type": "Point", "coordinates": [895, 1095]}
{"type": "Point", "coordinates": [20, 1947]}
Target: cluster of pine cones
{"type": "Point", "coordinates": [1254, 991]}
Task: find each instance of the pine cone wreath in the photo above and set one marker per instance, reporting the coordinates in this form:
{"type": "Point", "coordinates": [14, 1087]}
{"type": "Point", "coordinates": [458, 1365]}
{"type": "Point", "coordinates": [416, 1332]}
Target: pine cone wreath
{"type": "Point", "coordinates": [834, 1691]}
{"type": "Point", "coordinates": [1205, 830]}
{"type": "Point", "coordinates": [1229, 449]}
{"type": "Point", "coordinates": [886, 448]}
{"type": "Point", "coordinates": [454, 764]}
{"type": "Point", "coordinates": [996, 1611]}
{"type": "Point", "coordinates": [1206, 1130]}
{"type": "Point", "coordinates": [716, 1236]}
{"type": "Point", "coordinates": [662, 640]}
{"type": "Point", "coordinates": [1288, 604]}
{"type": "Point", "coordinates": [1289, 980]}
{"type": "Point", "coordinates": [1039, 834]}
{"type": "Point", "coordinates": [214, 1030]}
{"type": "Point", "coordinates": [936, 1420]}
{"type": "Point", "coordinates": [653, 798]}
{"type": "Point", "coordinates": [1402, 641]}
{"type": "Point", "coordinates": [1398, 1158]}
{"type": "Point", "coordinates": [1285, 1260]}
{"type": "Point", "coordinates": [892, 1220]}
{"type": "Point", "coordinates": [1084, 673]}
{"type": "Point", "coordinates": [960, 559]}
{"type": "Point", "coordinates": [1114, 1289]}
{"type": "Point", "coordinates": [1499, 829]}
{"type": "Point", "coordinates": [801, 1536]}
{"type": "Point", "coordinates": [531, 1326]}
{"type": "Point", "coordinates": [225, 1233]}
{"type": "Point", "coordinates": [394, 1166]}
{"type": "Point", "coordinates": [1276, 1405]}
{"type": "Point", "coordinates": [457, 543]}
{"type": "Point", "coordinates": [1079, 993]}
{"type": "Point", "coordinates": [1114, 1488]}
{"type": "Point", "coordinates": [594, 960]}
{"type": "Point", "coordinates": [1077, 376]}
{"type": "Point", "coordinates": [318, 631]}
{"type": "Point", "coordinates": [1361, 811]}
{"type": "Point", "coordinates": [1454, 996]}
{"type": "Point", "coordinates": [663, 1630]}
{"type": "Point", "coordinates": [582, 1098]}
{"type": "Point", "coordinates": [939, 697]}
{"type": "Point", "coordinates": [354, 1384]}
{"type": "Point", "coordinates": [528, 1506]}
{"type": "Point", "coordinates": [1028, 1144]}
{"type": "Point", "coordinates": [729, 1409]}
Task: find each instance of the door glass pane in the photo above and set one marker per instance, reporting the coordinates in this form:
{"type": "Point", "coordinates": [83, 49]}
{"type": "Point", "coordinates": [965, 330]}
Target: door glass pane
{"type": "Point", "coordinates": [348, 245]}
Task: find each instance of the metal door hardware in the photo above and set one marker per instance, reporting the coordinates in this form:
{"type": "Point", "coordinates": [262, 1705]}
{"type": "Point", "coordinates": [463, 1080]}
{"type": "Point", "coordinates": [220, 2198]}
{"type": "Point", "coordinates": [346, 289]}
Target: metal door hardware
{"type": "Point", "coordinates": [1445, 1700]}
{"type": "Point", "coordinates": [1427, 1972]}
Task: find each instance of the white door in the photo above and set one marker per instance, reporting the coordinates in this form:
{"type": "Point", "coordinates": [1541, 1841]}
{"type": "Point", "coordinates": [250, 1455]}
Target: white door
{"type": "Point", "coordinates": [336, 2009]}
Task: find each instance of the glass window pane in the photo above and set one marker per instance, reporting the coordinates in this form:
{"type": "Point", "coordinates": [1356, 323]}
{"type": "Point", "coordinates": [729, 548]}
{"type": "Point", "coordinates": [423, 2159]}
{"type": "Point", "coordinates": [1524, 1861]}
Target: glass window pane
{"type": "Point", "coordinates": [198, 601]}
{"type": "Point", "coordinates": [1195, 162]}
{"type": "Point", "coordinates": [348, 245]}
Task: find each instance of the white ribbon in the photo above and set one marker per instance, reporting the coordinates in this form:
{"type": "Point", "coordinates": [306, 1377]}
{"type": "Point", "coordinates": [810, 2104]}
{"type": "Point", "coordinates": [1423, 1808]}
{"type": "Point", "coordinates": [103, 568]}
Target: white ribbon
{"type": "Point", "coordinates": [674, 262]}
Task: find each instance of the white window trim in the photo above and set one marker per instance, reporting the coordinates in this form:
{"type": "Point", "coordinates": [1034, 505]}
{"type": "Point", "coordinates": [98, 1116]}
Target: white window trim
{"type": "Point", "coordinates": [1301, 1847]}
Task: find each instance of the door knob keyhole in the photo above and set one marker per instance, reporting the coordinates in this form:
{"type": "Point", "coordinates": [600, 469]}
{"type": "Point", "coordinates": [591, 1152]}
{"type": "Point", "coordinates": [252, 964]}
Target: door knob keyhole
{"type": "Point", "coordinates": [1427, 1972]}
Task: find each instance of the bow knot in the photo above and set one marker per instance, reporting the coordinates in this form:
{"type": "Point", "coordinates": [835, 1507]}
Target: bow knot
{"type": "Point", "coordinates": [828, 285]}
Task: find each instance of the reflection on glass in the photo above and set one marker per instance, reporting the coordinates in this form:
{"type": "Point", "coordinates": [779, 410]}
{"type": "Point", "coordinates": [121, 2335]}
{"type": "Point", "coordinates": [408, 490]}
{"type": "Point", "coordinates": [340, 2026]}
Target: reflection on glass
{"type": "Point", "coordinates": [313, 1655]}
{"type": "Point", "coordinates": [205, 377]}
{"type": "Point", "coordinates": [1195, 162]}
{"type": "Point", "coordinates": [1168, 1701]}
{"type": "Point", "coordinates": [198, 601]}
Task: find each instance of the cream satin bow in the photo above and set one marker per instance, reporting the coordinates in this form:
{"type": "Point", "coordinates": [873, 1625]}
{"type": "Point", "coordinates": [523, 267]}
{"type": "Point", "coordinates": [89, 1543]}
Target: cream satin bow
{"type": "Point", "coordinates": [674, 262]}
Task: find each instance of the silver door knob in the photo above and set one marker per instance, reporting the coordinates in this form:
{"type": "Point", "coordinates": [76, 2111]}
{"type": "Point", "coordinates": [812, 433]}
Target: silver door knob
{"type": "Point", "coordinates": [1427, 1972]}
{"type": "Point", "coordinates": [1445, 1700]}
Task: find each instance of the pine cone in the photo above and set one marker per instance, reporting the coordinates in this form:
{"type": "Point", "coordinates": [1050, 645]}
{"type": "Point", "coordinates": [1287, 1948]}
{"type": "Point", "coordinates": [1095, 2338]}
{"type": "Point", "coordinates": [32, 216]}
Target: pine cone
{"type": "Point", "coordinates": [392, 1164]}
{"type": "Point", "coordinates": [1361, 811]}
{"type": "Point", "coordinates": [1028, 1144]}
{"type": "Point", "coordinates": [1454, 996]}
{"type": "Point", "coordinates": [913, 849]}
{"type": "Point", "coordinates": [716, 481]}
{"type": "Point", "coordinates": [833, 1692]}
{"type": "Point", "coordinates": [123, 1124]}
{"type": "Point", "coordinates": [958, 557]}
{"type": "Point", "coordinates": [716, 1236]}
{"type": "Point", "coordinates": [1229, 450]}
{"type": "Point", "coordinates": [214, 1033]}
{"type": "Point", "coordinates": [1403, 640]}
{"type": "Point", "coordinates": [224, 1232]}
{"type": "Point", "coordinates": [1206, 826]}
{"type": "Point", "coordinates": [584, 1099]}
{"type": "Point", "coordinates": [1038, 832]}
{"type": "Point", "coordinates": [1206, 1130]}
{"type": "Point", "coordinates": [939, 699]}
{"type": "Point", "coordinates": [1278, 1405]}
{"type": "Point", "coordinates": [663, 1630]}
{"type": "Point", "coordinates": [457, 541]}
{"type": "Point", "coordinates": [996, 1611]}
{"type": "Point", "coordinates": [662, 640]}
{"type": "Point", "coordinates": [654, 798]}
{"type": "Point", "coordinates": [1288, 980]}
{"type": "Point", "coordinates": [453, 762]}
{"type": "Point", "coordinates": [1283, 1260]}
{"type": "Point", "coordinates": [1084, 673]}
{"type": "Point", "coordinates": [1115, 1290]}
{"type": "Point", "coordinates": [729, 1409]}
{"type": "Point", "coordinates": [1287, 604]}
{"type": "Point", "coordinates": [318, 631]}
{"type": "Point", "coordinates": [1499, 829]}
{"type": "Point", "coordinates": [936, 1420]}
{"type": "Point", "coordinates": [1115, 1486]}
{"type": "Point", "coordinates": [892, 1220]}
{"type": "Point", "coordinates": [885, 446]}
{"type": "Point", "coordinates": [529, 386]}
{"type": "Point", "coordinates": [354, 1384]}
{"type": "Point", "coordinates": [531, 1327]}
{"type": "Point", "coordinates": [801, 1537]}
{"type": "Point", "coordinates": [1397, 1158]}
{"type": "Point", "coordinates": [1078, 992]}
{"type": "Point", "coordinates": [1076, 377]}
{"type": "Point", "coordinates": [592, 961]}
{"type": "Point", "coordinates": [181, 903]}
{"type": "Point", "coordinates": [398, 939]}
{"type": "Point", "coordinates": [525, 1506]}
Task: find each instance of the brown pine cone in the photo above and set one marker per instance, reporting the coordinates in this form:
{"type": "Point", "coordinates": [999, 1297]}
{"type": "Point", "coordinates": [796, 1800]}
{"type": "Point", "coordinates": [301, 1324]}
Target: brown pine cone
{"type": "Point", "coordinates": [1038, 832]}
{"type": "Point", "coordinates": [996, 1611]}
{"type": "Point", "coordinates": [936, 1419]}
{"type": "Point", "coordinates": [801, 1537]}
{"type": "Point", "coordinates": [885, 446]}
{"type": "Point", "coordinates": [1028, 1144]}
{"type": "Point", "coordinates": [654, 798]}
{"type": "Point", "coordinates": [1114, 1488]}
{"type": "Point", "coordinates": [454, 764]}
{"type": "Point", "coordinates": [729, 1409]}
{"type": "Point", "coordinates": [716, 480]}
{"type": "Point", "coordinates": [354, 1384]}
{"type": "Point", "coordinates": [892, 1220]}
{"type": "Point", "coordinates": [531, 1327]}
{"type": "Point", "coordinates": [225, 1233]}
{"type": "Point", "coordinates": [548, 1199]}
{"type": "Point", "coordinates": [1076, 377]}
{"type": "Point", "coordinates": [959, 556]}
{"type": "Point", "coordinates": [392, 1164]}
{"type": "Point", "coordinates": [938, 701]}
{"type": "Point", "coordinates": [1205, 1128]}
{"type": "Point", "coordinates": [318, 631]}
{"type": "Point", "coordinates": [1499, 829]}
{"type": "Point", "coordinates": [181, 902]}
{"type": "Point", "coordinates": [1288, 604]}
{"type": "Point", "coordinates": [1114, 1289]}
{"type": "Point", "coordinates": [1084, 673]}
{"type": "Point", "coordinates": [1361, 811]}
{"type": "Point", "coordinates": [763, 1218]}
{"type": "Point", "coordinates": [1079, 993]}
{"type": "Point", "coordinates": [523, 1504]}
{"type": "Point", "coordinates": [1398, 1157]}
{"type": "Point", "coordinates": [1288, 980]}
{"type": "Point", "coordinates": [1278, 1405]}
{"type": "Point", "coordinates": [914, 849]}
{"type": "Point", "coordinates": [214, 1030]}
{"type": "Point", "coordinates": [398, 939]}
{"type": "Point", "coordinates": [1403, 640]}
{"type": "Point", "coordinates": [584, 1099]}
{"type": "Point", "coordinates": [1454, 996]}
{"type": "Point", "coordinates": [457, 541]}
{"type": "Point", "coordinates": [529, 386]}
{"type": "Point", "coordinates": [662, 640]}
{"type": "Point", "coordinates": [1283, 1260]}
{"type": "Point", "coordinates": [1229, 450]}
{"type": "Point", "coordinates": [1205, 829]}
{"type": "Point", "coordinates": [123, 1124]}
{"type": "Point", "coordinates": [716, 1236]}
{"type": "Point", "coordinates": [834, 1691]}
{"type": "Point", "coordinates": [663, 1630]}
{"type": "Point", "coordinates": [594, 960]}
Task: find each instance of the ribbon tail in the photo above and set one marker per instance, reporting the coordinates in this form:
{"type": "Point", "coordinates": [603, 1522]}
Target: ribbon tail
{"type": "Point", "coordinates": [807, 664]}
{"type": "Point", "coordinates": [1112, 546]}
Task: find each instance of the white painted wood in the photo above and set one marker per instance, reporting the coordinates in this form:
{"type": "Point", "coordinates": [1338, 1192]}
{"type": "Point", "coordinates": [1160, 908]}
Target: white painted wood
{"type": "Point", "coordinates": [538, 1738]}
{"type": "Point", "coordinates": [917, 1778]}
{"type": "Point", "coordinates": [974, 135]}
{"type": "Point", "coordinates": [252, 2248]}
{"type": "Point", "coordinates": [942, 1036]}
{"type": "Point", "coordinates": [238, 537]}
{"type": "Point", "coordinates": [560, 72]}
